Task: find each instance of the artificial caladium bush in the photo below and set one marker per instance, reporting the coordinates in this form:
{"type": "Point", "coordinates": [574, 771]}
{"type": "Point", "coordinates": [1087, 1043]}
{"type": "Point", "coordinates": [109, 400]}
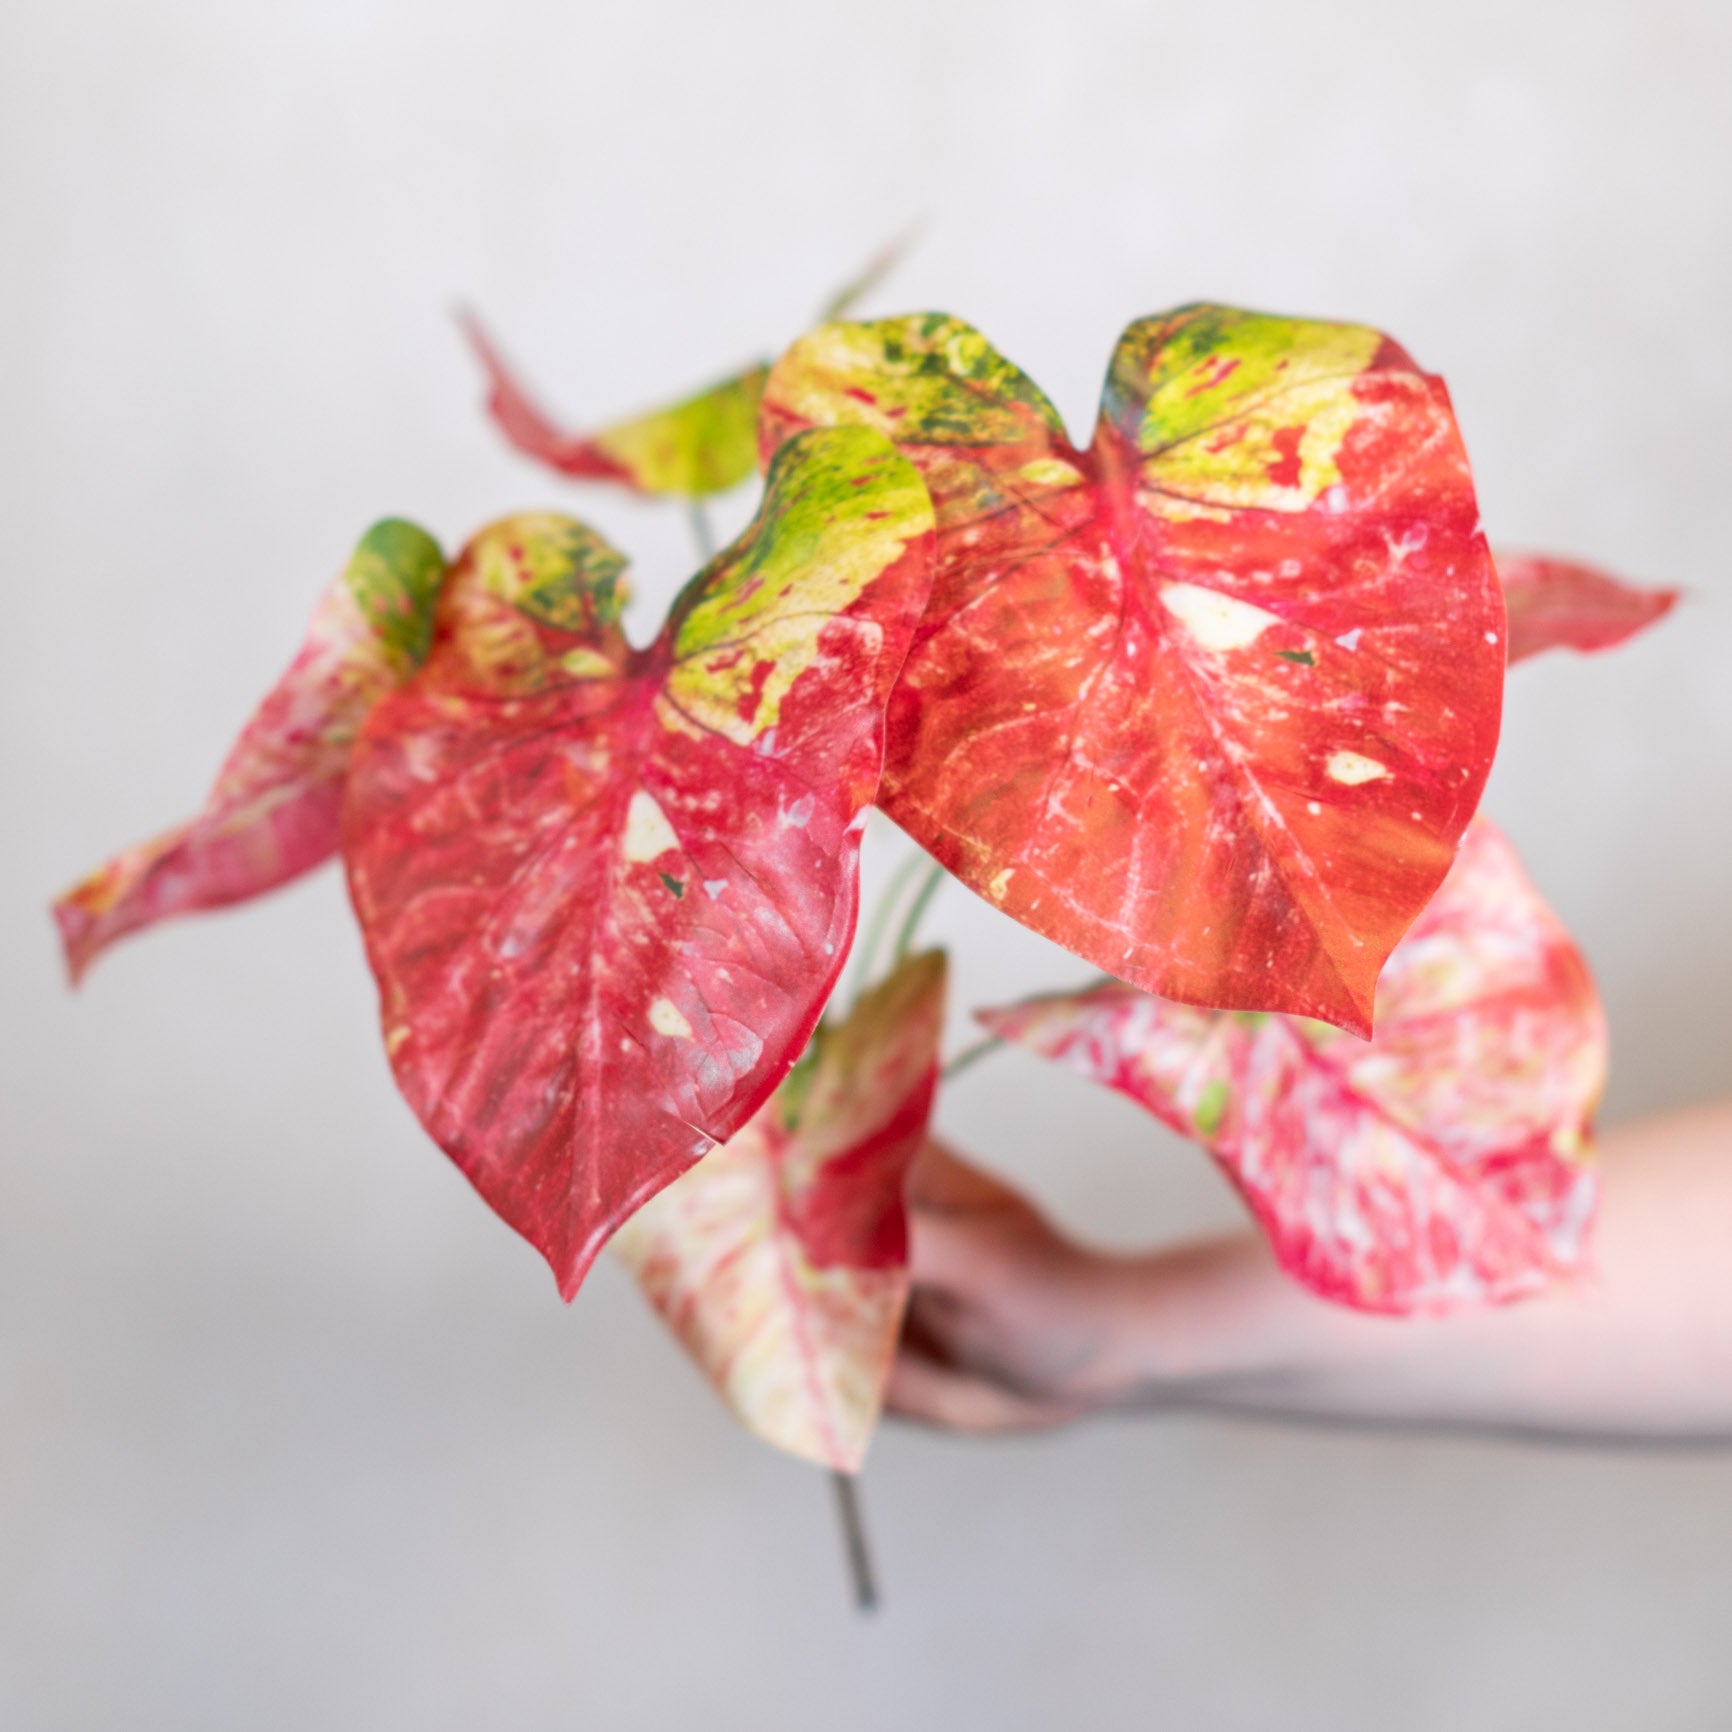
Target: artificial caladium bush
{"type": "Point", "coordinates": [1210, 701]}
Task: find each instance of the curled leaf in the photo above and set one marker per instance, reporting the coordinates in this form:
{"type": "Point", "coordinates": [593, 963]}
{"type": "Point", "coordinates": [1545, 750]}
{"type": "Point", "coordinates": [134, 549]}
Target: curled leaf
{"type": "Point", "coordinates": [701, 445]}
{"type": "Point", "coordinates": [1210, 702]}
{"type": "Point", "coordinates": [781, 1260]}
{"type": "Point", "coordinates": [1440, 1165]}
{"type": "Point", "coordinates": [607, 891]}
{"type": "Point", "coordinates": [275, 811]}
{"type": "Point", "coordinates": [1562, 604]}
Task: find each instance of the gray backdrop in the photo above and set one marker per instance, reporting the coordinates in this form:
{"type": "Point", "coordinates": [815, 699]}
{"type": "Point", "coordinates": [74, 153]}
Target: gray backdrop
{"type": "Point", "coordinates": [292, 1432]}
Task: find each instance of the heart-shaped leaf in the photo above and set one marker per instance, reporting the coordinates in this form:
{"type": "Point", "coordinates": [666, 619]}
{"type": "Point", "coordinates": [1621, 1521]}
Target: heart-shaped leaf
{"type": "Point", "coordinates": [1211, 702]}
{"type": "Point", "coordinates": [1562, 604]}
{"type": "Point", "coordinates": [275, 811]}
{"type": "Point", "coordinates": [606, 892]}
{"type": "Point", "coordinates": [781, 1260]}
{"type": "Point", "coordinates": [701, 445]}
{"type": "Point", "coordinates": [1441, 1164]}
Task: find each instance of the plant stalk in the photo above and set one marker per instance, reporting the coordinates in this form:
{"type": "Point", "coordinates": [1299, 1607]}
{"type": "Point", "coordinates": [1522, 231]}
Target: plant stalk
{"type": "Point", "coordinates": [910, 926]}
{"type": "Point", "coordinates": [860, 1571]}
{"type": "Point", "coordinates": [971, 1055]}
{"type": "Point", "coordinates": [702, 533]}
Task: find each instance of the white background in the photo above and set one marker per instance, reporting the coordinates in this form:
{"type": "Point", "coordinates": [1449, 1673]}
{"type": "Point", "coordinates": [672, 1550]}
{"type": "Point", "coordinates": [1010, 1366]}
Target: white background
{"type": "Point", "coordinates": [292, 1432]}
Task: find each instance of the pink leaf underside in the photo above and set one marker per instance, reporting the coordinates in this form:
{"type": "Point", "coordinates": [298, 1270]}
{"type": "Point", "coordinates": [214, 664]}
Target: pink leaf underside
{"type": "Point", "coordinates": [780, 1260]}
{"type": "Point", "coordinates": [701, 445]}
{"type": "Point", "coordinates": [1442, 1164]}
{"type": "Point", "coordinates": [275, 809]}
{"type": "Point", "coordinates": [1210, 702]}
{"type": "Point", "coordinates": [1562, 604]}
{"type": "Point", "coordinates": [606, 891]}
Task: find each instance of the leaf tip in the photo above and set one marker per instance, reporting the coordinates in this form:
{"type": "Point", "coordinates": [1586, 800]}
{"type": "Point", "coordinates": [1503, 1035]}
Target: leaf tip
{"type": "Point", "coordinates": [79, 947]}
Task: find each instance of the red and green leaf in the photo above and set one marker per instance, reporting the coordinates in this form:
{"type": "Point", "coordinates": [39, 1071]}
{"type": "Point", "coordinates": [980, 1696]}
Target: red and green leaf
{"type": "Point", "coordinates": [701, 445]}
{"type": "Point", "coordinates": [1562, 604]}
{"type": "Point", "coordinates": [1439, 1165]}
{"type": "Point", "coordinates": [607, 891]}
{"type": "Point", "coordinates": [1211, 702]}
{"type": "Point", "coordinates": [781, 1260]}
{"type": "Point", "coordinates": [275, 811]}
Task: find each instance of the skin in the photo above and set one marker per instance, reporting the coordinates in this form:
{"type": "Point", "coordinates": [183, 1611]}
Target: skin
{"type": "Point", "coordinates": [1015, 1327]}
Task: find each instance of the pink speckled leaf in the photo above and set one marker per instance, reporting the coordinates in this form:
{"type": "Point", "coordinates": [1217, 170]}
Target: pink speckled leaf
{"type": "Point", "coordinates": [1211, 701]}
{"type": "Point", "coordinates": [1441, 1164]}
{"type": "Point", "coordinates": [607, 891]}
{"type": "Point", "coordinates": [275, 811]}
{"type": "Point", "coordinates": [781, 1260]}
{"type": "Point", "coordinates": [1562, 604]}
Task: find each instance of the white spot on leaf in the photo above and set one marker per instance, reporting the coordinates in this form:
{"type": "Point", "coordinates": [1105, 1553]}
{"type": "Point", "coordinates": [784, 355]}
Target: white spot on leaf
{"type": "Point", "coordinates": [665, 1018]}
{"type": "Point", "coordinates": [1351, 768]}
{"type": "Point", "coordinates": [1349, 640]}
{"type": "Point", "coordinates": [1217, 622]}
{"type": "Point", "coordinates": [648, 834]}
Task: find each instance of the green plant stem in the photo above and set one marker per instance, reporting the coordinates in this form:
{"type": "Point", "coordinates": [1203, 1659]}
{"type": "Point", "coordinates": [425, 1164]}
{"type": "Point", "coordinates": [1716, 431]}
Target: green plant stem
{"type": "Point", "coordinates": [854, 1540]}
{"type": "Point", "coordinates": [910, 926]}
{"type": "Point", "coordinates": [702, 533]}
{"type": "Point", "coordinates": [883, 910]}
{"type": "Point", "coordinates": [971, 1055]}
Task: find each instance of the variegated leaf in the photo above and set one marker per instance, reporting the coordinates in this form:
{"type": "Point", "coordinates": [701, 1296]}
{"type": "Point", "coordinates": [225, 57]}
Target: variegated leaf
{"type": "Point", "coordinates": [606, 892]}
{"type": "Point", "coordinates": [1210, 702]}
{"type": "Point", "coordinates": [275, 811]}
{"type": "Point", "coordinates": [1562, 604]}
{"type": "Point", "coordinates": [701, 445]}
{"type": "Point", "coordinates": [1441, 1164]}
{"type": "Point", "coordinates": [780, 1260]}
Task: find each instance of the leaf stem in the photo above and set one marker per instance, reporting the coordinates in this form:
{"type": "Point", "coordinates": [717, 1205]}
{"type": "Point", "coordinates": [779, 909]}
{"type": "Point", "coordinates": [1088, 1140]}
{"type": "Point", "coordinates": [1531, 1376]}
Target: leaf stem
{"type": "Point", "coordinates": [910, 926]}
{"type": "Point", "coordinates": [883, 910]}
{"type": "Point", "coordinates": [860, 1571]}
{"type": "Point", "coordinates": [702, 533]}
{"type": "Point", "coordinates": [971, 1055]}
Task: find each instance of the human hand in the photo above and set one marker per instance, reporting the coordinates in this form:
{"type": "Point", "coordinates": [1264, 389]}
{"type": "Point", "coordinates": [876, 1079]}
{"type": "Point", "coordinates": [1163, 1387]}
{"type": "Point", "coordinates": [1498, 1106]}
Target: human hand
{"type": "Point", "coordinates": [1006, 1327]}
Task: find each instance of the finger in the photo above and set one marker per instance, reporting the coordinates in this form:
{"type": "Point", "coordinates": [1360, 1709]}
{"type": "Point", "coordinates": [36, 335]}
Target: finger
{"type": "Point", "coordinates": [940, 1179]}
{"type": "Point", "coordinates": [933, 1394]}
{"type": "Point", "coordinates": [953, 1251]}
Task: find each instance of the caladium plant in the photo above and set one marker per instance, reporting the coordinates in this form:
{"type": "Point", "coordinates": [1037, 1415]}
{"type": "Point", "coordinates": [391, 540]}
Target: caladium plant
{"type": "Point", "coordinates": [1210, 701]}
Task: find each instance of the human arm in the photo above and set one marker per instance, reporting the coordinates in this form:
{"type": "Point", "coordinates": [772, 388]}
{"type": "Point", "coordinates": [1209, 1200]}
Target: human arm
{"type": "Point", "coordinates": [1014, 1326]}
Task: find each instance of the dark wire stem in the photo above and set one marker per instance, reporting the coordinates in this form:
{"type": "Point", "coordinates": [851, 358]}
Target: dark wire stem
{"type": "Point", "coordinates": [910, 926]}
{"type": "Point", "coordinates": [854, 1539]}
{"type": "Point", "coordinates": [702, 534]}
